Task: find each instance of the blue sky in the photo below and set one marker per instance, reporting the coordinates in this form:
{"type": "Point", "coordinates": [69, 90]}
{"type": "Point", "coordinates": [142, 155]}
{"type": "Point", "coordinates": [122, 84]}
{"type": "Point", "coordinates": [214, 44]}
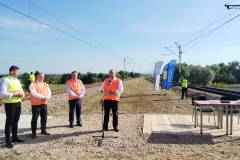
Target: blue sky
{"type": "Point", "coordinates": [138, 29]}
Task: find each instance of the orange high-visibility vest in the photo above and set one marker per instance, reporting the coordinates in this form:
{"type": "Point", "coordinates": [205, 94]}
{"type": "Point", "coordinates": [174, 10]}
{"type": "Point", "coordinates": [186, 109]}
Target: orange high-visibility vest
{"type": "Point", "coordinates": [111, 86]}
{"type": "Point", "coordinates": [41, 89]}
{"type": "Point", "coordinates": [76, 88]}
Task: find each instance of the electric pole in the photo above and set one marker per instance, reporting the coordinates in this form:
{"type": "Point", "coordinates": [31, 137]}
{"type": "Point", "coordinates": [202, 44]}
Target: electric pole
{"type": "Point", "coordinates": [179, 55]}
{"type": "Point", "coordinates": [125, 62]}
{"type": "Point", "coordinates": [180, 60]}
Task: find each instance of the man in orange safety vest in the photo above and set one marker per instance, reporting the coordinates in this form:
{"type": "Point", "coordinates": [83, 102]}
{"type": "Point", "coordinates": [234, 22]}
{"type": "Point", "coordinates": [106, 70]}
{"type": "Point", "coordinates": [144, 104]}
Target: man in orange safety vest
{"type": "Point", "coordinates": [40, 93]}
{"type": "Point", "coordinates": [112, 89]}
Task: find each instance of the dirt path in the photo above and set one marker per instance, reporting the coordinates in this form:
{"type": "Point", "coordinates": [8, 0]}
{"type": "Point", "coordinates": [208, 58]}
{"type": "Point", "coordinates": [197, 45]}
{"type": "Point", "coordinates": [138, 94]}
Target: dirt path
{"type": "Point", "coordinates": [137, 98]}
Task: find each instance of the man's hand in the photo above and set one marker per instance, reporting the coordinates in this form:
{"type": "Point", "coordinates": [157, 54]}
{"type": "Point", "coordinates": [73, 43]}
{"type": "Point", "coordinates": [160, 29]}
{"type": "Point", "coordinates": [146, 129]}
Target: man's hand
{"type": "Point", "coordinates": [77, 94]}
{"type": "Point", "coordinates": [18, 95]}
{"type": "Point", "coordinates": [44, 99]}
{"type": "Point", "coordinates": [112, 92]}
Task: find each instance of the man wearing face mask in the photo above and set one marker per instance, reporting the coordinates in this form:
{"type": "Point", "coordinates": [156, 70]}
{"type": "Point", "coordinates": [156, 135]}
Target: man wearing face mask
{"type": "Point", "coordinates": [112, 89]}
{"type": "Point", "coordinates": [12, 93]}
{"type": "Point", "coordinates": [40, 93]}
{"type": "Point", "coordinates": [76, 91]}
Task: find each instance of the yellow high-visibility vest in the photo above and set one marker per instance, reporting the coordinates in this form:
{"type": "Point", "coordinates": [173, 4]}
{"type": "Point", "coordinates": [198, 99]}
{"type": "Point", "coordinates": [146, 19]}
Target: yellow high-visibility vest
{"type": "Point", "coordinates": [14, 87]}
{"type": "Point", "coordinates": [31, 78]}
{"type": "Point", "coordinates": [185, 83]}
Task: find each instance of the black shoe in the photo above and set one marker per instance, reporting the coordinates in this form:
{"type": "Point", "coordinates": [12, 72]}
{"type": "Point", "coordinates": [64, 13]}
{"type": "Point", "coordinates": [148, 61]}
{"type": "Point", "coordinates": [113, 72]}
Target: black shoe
{"type": "Point", "coordinates": [79, 124]}
{"type": "Point", "coordinates": [70, 126]}
{"type": "Point", "coordinates": [45, 133]}
{"type": "Point", "coordinates": [18, 140]}
{"type": "Point", "coordinates": [116, 130]}
{"type": "Point", "coordinates": [9, 145]}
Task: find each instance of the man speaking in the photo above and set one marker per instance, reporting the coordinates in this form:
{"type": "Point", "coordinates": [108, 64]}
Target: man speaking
{"type": "Point", "coordinates": [112, 89]}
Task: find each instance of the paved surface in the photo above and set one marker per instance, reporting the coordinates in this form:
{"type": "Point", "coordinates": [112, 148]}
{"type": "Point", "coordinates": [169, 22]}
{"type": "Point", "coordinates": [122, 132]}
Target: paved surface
{"type": "Point", "coordinates": [183, 124]}
{"type": "Point", "coordinates": [24, 122]}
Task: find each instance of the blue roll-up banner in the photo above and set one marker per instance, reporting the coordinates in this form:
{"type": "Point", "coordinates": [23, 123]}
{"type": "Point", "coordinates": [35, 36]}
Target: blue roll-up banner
{"type": "Point", "coordinates": [167, 75]}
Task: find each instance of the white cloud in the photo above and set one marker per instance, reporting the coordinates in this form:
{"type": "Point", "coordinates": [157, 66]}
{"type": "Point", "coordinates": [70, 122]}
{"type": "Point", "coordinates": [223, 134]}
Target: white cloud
{"type": "Point", "coordinates": [8, 23]}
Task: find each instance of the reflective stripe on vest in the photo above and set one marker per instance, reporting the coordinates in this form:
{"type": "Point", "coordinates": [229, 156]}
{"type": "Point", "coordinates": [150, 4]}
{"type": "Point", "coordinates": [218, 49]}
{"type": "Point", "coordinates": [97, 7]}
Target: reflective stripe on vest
{"type": "Point", "coordinates": [75, 87]}
{"type": "Point", "coordinates": [42, 90]}
{"type": "Point", "coordinates": [14, 87]}
{"type": "Point", "coordinates": [111, 87]}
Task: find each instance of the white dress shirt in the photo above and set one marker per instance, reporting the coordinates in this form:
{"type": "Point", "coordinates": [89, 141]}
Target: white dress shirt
{"type": "Point", "coordinates": [120, 87]}
{"type": "Point", "coordinates": [38, 95]}
{"type": "Point", "coordinates": [71, 93]}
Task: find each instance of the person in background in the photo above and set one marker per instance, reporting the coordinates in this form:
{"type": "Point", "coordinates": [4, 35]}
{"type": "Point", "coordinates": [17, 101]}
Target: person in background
{"type": "Point", "coordinates": [112, 89]}
{"type": "Point", "coordinates": [31, 77]}
{"type": "Point", "coordinates": [12, 93]}
{"type": "Point", "coordinates": [76, 91]}
{"type": "Point", "coordinates": [184, 88]}
{"type": "Point", "coordinates": [40, 93]}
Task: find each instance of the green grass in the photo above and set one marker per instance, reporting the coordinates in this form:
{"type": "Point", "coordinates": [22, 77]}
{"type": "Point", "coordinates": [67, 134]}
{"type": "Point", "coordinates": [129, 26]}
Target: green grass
{"type": "Point", "coordinates": [226, 86]}
{"type": "Point", "coordinates": [233, 85]}
{"type": "Point", "coordinates": [57, 86]}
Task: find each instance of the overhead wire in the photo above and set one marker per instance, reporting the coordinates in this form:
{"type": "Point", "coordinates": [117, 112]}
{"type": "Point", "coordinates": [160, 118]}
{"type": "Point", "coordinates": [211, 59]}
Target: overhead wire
{"type": "Point", "coordinates": [210, 32]}
{"type": "Point", "coordinates": [61, 21]}
{"type": "Point", "coordinates": [54, 28]}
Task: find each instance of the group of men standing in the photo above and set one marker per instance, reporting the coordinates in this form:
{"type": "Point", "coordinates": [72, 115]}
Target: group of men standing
{"type": "Point", "coordinates": [12, 93]}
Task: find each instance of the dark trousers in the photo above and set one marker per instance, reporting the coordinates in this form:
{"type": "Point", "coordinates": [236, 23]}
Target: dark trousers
{"type": "Point", "coordinates": [75, 104]}
{"type": "Point", "coordinates": [184, 92]}
{"type": "Point", "coordinates": [36, 111]}
{"type": "Point", "coordinates": [113, 105]}
{"type": "Point", "coordinates": [13, 111]}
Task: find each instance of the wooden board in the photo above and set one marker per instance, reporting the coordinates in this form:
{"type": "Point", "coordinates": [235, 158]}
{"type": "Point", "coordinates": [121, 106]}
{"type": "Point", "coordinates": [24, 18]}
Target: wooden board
{"type": "Point", "coordinates": [183, 124]}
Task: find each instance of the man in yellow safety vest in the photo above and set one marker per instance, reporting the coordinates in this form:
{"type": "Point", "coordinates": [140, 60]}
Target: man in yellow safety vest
{"type": "Point", "coordinates": [12, 93]}
{"type": "Point", "coordinates": [184, 88]}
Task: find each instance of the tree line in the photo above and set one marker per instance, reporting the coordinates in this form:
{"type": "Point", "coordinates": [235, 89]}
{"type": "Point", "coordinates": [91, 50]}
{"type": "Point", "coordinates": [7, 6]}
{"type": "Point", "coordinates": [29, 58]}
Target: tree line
{"type": "Point", "coordinates": [86, 78]}
{"type": "Point", "coordinates": [211, 74]}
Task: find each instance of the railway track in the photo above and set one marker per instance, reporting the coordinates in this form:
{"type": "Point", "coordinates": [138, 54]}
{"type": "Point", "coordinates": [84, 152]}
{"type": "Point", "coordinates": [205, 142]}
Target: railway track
{"type": "Point", "coordinates": [222, 92]}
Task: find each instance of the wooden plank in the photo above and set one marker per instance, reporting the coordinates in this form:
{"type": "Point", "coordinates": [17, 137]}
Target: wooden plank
{"type": "Point", "coordinates": [162, 124]}
{"type": "Point", "coordinates": [147, 124]}
{"type": "Point", "coordinates": [174, 119]}
{"type": "Point", "coordinates": [176, 123]}
{"type": "Point", "coordinates": [154, 123]}
{"type": "Point", "coordinates": [165, 124]}
{"type": "Point", "coordinates": [186, 125]}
